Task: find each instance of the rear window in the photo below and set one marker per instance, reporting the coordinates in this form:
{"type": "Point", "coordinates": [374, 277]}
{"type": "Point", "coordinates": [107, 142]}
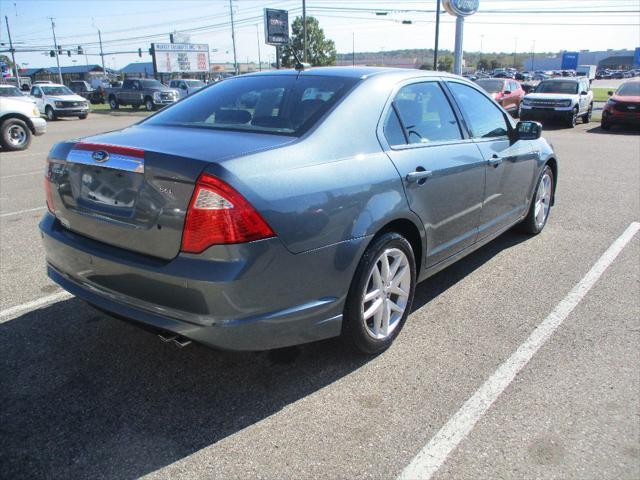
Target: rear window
{"type": "Point", "coordinates": [285, 105]}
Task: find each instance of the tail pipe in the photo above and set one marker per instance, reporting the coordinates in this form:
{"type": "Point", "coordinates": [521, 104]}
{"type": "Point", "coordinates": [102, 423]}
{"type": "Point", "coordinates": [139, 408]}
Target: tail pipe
{"type": "Point", "coordinates": [179, 340]}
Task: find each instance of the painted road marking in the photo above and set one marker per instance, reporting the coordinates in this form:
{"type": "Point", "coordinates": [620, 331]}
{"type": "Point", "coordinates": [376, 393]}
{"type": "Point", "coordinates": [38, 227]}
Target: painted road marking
{"type": "Point", "coordinates": [39, 172]}
{"type": "Point", "coordinates": [13, 312]}
{"type": "Point", "coordinates": [427, 462]}
{"type": "Point", "coordinates": [2, 215]}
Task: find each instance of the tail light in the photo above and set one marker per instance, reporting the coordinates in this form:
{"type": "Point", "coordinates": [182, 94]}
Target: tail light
{"type": "Point", "coordinates": [218, 214]}
{"type": "Point", "coordinates": [47, 189]}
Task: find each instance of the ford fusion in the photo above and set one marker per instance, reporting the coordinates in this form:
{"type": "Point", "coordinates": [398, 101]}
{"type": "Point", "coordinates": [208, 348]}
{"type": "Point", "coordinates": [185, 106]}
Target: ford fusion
{"type": "Point", "coordinates": [286, 207]}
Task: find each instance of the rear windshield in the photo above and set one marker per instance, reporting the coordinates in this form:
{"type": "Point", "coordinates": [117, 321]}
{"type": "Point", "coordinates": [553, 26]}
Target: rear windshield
{"type": "Point", "coordinates": [631, 89]}
{"type": "Point", "coordinates": [491, 86]}
{"type": "Point", "coordinates": [285, 105]}
{"type": "Point", "coordinates": [570, 88]}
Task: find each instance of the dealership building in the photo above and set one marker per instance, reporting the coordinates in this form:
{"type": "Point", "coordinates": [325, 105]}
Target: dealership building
{"type": "Point", "coordinates": [612, 59]}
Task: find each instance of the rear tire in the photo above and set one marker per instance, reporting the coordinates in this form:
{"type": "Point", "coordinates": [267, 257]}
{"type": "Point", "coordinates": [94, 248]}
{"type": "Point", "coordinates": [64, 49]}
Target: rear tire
{"type": "Point", "coordinates": [586, 118]}
{"type": "Point", "coordinates": [15, 135]}
{"type": "Point", "coordinates": [83, 117]}
{"type": "Point", "coordinates": [113, 103]}
{"type": "Point", "coordinates": [380, 296]}
{"type": "Point", "coordinates": [540, 207]}
{"type": "Point", "coordinates": [148, 105]}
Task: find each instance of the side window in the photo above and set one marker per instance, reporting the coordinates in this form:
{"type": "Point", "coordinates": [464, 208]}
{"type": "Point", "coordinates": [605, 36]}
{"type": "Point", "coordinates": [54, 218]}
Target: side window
{"type": "Point", "coordinates": [393, 130]}
{"type": "Point", "coordinates": [172, 84]}
{"type": "Point", "coordinates": [127, 85]}
{"type": "Point", "coordinates": [484, 118]}
{"type": "Point", "coordinates": [426, 114]}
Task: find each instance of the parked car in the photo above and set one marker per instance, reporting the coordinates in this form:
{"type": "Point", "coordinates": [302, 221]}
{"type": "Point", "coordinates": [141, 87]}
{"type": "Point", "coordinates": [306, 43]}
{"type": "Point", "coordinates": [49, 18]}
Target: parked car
{"type": "Point", "coordinates": [508, 93]}
{"type": "Point", "coordinates": [24, 84]}
{"type": "Point", "coordinates": [563, 99]}
{"type": "Point", "coordinates": [253, 229]}
{"type": "Point", "coordinates": [141, 92]}
{"type": "Point", "coordinates": [187, 86]}
{"type": "Point", "coordinates": [43, 82]}
{"type": "Point", "coordinates": [623, 106]}
{"type": "Point", "coordinates": [19, 121]}
{"type": "Point", "coordinates": [57, 101]}
{"type": "Point", "coordinates": [9, 91]}
{"type": "Point", "coordinates": [85, 90]}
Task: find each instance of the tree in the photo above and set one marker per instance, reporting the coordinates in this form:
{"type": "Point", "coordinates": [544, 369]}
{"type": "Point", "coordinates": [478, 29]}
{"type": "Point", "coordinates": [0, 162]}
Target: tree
{"type": "Point", "coordinates": [445, 62]}
{"type": "Point", "coordinates": [320, 51]}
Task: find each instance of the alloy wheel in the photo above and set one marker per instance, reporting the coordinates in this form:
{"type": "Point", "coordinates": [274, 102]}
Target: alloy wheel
{"type": "Point", "coordinates": [386, 294]}
{"type": "Point", "coordinates": [543, 200]}
{"type": "Point", "coordinates": [17, 135]}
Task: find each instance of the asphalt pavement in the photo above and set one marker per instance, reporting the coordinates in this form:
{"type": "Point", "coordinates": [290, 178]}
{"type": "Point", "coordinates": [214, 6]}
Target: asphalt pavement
{"type": "Point", "coordinates": [84, 395]}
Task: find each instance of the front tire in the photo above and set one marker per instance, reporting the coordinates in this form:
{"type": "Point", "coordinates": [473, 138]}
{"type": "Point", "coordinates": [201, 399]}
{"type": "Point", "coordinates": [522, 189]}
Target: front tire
{"type": "Point", "coordinates": [15, 135]}
{"type": "Point", "coordinates": [148, 105]}
{"type": "Point", "coordinates": [83, 117]}
{"type": "Point", "coordinates": [380, 295]}
{"type": "Point", "coordinates": [586, 118]}
{"type": "Point", "coordinates": [113, 103]}
{"type": "Point", "coordinates": [49, 112]}
{"type": "Point", "coordinates": [604, 123]}
{"type": "Point", "coordinates": [540, 206]}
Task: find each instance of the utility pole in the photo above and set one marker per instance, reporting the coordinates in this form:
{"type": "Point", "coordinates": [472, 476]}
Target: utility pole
{"type": "Point", "coordinates": [258, 37]}
{"type": "Point", "coordinates": [55, 47]}
{"type": "Point", "coordinates": [104, 70]}
{"type": "Point", "coordinates": [533, 56]}
{"type": "Point", "coordinates": [435, 48]}
{"type": "Point", "coordinates": [515, 50]}
{"type": "Point", "coordinates": [233, 39]}
{"type": "Point", "coordinates": [13, 55]}
{"type": "Point", "coordinates": [304, 31]}
{"type": "Point", "coordinates": [353, 49]}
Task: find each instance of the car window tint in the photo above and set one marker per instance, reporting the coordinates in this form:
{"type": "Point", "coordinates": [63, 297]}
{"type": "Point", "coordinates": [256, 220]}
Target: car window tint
{"type": "Point", "coordinates": [484, 118]}
{"type": "Point", "coordinates": [267, 104]}
{"type": "Point", "coordinates": [426, 114]}
{"type": "Point", "coordinates": [393, 130]}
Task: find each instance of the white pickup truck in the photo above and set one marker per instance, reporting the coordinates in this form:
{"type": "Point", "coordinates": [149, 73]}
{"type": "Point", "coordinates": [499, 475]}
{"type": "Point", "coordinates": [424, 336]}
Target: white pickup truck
{"type": "Point", "coordinates": [19, 119]}
{"type": "Point", "coordinates": [563, 99]}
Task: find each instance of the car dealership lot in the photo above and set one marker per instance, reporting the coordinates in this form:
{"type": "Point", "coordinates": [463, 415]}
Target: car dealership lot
{"type": "Point", "coordinates": [86, 395]}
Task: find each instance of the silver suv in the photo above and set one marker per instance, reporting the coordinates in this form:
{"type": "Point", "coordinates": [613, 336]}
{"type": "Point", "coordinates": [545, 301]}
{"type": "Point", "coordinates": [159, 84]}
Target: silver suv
{"type": "Point", "coordinates": [563, 99]}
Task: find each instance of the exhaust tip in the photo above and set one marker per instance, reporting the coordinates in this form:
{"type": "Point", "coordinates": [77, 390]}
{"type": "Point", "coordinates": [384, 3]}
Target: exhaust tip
{"type": "Point", "coordinates": [178, 340]}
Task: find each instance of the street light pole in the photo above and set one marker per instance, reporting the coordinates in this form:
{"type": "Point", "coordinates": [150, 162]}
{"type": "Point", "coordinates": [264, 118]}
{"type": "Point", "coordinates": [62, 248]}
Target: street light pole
{"type": "Point", "coordinates": [435, 48]}
{"type": "Point", "coordinates": [258, 37]}
{"type": "Point", "coordinates": [13, 55]}
{"type": "Point", "coordinates": [55, 46]}
{"type": "Point", "coordinates": [353, 49]}
{"type": "Point", "coordinates": [104, 70]}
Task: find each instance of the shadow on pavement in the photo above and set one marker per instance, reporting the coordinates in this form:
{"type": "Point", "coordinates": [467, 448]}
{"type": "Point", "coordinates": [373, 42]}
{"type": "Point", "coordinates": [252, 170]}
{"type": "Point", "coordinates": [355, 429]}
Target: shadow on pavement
{"type": "Point", "coordinates": [85, 395]}
{"type": "Point", "coordinates": [616, 130]}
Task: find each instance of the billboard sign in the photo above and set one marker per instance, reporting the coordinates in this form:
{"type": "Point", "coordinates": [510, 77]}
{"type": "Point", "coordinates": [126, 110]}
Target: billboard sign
{"type": "Point", "coordinates": [461, 8]}
{"type": "Point", "coordinates": [180, 57]}
{"type": "Point", "coordinates": [636, 58]}
{"type": "Point", "coordinates": [569, 61]}
{"type": "Point", "coordinates": [276, 27]}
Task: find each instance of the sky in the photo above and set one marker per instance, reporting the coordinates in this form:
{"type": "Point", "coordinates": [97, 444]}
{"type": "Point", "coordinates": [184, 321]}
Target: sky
{"type": "Point", "coordinates": [126, 25]}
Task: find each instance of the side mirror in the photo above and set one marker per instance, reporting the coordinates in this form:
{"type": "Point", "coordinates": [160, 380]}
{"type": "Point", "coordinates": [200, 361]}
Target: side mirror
{"type": "Point", "coordinates": [528, 130]}
{"type": "Point", "coordinates": [507, 92]}
{"type": "Point", "coordinates": [610, 93]}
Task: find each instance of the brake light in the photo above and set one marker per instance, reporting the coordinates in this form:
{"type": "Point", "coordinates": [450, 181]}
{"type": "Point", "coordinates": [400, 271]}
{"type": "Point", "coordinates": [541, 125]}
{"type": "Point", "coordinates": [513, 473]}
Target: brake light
{"type": "Point", "coordinates": [47, 189]}
{"type": "Point", "coordinates": [218, 214]}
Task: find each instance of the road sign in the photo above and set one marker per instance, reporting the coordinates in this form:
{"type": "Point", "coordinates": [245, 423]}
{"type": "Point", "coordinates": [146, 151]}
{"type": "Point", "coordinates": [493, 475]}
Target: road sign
{"type": "Point", "coordinates": [461, 8]}
{"type": "Point", "coordinates": [276, 27]}
{"type": "Point", "coordinates": [180, 57]}
{"type": "Point", "coordinates": [569, 61]}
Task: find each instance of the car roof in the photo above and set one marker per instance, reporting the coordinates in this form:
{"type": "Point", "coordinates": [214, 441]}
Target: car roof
{"type": "Point", "coordinates": [352, 72]}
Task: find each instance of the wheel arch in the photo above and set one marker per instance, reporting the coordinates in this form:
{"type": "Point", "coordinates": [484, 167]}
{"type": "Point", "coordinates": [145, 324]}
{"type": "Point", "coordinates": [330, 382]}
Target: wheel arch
{"type": "Point", "coordinates": [18, 116]}
{"type": "Point", "coordinates": [409, 230]}
{"type": "Point", "coordinates": [553, 164]}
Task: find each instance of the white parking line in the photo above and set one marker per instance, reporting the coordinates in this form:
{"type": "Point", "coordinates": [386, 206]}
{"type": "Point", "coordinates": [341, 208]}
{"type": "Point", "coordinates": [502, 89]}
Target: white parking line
{"type": "Point", "coordinates": [13, 312]}
{"type": "Point", "coordinates": [435, 453]}
{"type": "Point", "coordinates": [2, 215]}
{"type": "Point", "coordinates": [39, 172]}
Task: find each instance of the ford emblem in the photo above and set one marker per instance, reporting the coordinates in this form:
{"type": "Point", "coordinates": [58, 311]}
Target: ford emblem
{"type": "Point", "coordinates": [100, 156]}
{"type": "Point", "coordinates": [461, 8]}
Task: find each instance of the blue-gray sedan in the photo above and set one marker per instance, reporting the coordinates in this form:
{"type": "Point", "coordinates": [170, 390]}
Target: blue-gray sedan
{"type": "Point", "coordinates": [286, 207]}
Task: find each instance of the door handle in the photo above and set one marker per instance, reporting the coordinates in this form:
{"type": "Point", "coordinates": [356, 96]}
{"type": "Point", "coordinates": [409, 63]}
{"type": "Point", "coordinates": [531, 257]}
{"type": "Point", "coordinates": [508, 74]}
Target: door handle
{"type": "Point", "coordinates": [494, 161]}
{"type": "Point", "coordinates": [419, 176]}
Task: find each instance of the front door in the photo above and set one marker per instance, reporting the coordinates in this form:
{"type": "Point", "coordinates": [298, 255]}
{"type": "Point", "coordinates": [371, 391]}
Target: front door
{"type": "Point", "coordinates": [442, 170]}
{"type": "Point", "coordinates": [36, 92]}
{"type": "Point", "coordinates": [510, 166]}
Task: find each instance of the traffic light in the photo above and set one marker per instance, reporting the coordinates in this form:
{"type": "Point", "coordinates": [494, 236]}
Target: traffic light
{"type": "Point", "coordinates": [59, 50]}
{"type": "Point", "coordinates": [80, 52]}
{"type": "Point", "coordinates": [140, 52]}
{"type": "Point", "coordinates": [52, 53]}
{"type": "Point", "coordinates": [68, 53]}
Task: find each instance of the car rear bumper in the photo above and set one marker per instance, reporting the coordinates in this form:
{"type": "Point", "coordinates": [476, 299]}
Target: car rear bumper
{"type": "Point", "coordinates": [253, 296]}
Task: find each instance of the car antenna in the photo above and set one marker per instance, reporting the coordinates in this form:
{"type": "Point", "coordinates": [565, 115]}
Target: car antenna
{"type": "Point", "coordinates": [299, 66]}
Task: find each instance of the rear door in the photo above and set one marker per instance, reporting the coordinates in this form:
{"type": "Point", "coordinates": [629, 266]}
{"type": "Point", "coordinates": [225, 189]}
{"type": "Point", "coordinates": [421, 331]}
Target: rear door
{"type": "Point", "coordinates": [510, 166]}
{"type": "Point", "coordinates": [443, 171]}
